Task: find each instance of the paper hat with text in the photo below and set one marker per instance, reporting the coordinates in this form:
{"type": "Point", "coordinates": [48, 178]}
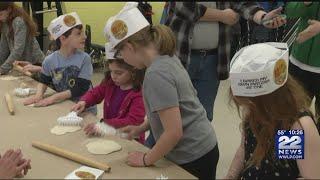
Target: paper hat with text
{"type": "Point", "coordinates": [62, 24]}
{"type": "Point", "coordinates": [259, 69]}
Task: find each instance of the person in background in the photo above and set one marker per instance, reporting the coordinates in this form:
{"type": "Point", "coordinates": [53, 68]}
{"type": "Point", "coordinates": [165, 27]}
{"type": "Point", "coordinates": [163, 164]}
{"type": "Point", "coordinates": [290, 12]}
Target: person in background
{"type": "Point", "coordinates": [275, 101]}
{"type": "Point", "coordinates": [304, 59]}
{"type": "Point", "coordinates": [202, 31]}
{"type": "Point", "coordinates": [68, 69]}
{"type": "Point", "coordinates": [17, 41]}
{"type": "Point", "coordinates": [121, 92]}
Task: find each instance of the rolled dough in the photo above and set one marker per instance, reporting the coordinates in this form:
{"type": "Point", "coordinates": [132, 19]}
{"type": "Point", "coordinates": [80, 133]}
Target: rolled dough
{"type": "Point", "coordinates": [103, 147]}
{"type": "Point", "coordinates": [8, 78]}
{"type": "Point", "coordinates": [60, 130]}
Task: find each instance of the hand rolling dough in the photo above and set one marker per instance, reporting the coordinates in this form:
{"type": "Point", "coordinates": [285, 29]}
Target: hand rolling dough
{"type": "Point", "coordinates": [60, 130]}
{"type": "Point", "coordinates": [103, 147]}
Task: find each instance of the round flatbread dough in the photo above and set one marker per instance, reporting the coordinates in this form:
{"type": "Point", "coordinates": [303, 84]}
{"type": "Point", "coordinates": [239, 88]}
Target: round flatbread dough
{"type": "Point", "coordinates": [103, 147]}
{"type": "Point", "coordinates": [60, 130]}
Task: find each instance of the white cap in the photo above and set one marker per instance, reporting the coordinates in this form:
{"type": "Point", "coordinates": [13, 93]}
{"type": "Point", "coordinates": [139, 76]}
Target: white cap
{"type": "Point", "coordinates": [62, 24]}
{"type": "Point", "coordinates": [109, 51]}
{"type": "Point", "coordinates": [259, 69]}
{"type": "Point", "coordinates": [127, 22]}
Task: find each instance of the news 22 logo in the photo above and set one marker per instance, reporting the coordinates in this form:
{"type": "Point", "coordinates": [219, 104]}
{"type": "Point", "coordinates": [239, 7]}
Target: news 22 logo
{"type": "Point", "coordinates": [289, 144]}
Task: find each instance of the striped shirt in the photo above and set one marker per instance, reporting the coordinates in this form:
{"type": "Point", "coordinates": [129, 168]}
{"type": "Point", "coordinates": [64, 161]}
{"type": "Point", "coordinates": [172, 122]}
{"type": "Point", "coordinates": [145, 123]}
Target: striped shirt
{"type": "Point", "coordinates": [186, 14]}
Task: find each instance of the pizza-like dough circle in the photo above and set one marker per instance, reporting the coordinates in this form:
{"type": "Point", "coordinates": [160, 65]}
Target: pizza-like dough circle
{"type": "Point", "coordinates": [60, 130]}
{"type": "Point", "coordinates": [103, 147]}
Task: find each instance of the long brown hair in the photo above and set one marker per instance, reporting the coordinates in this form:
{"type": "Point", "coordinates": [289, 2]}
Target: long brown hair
{"type": "Point", "coordinates": [137, 75]}
{"type": "Point", "coordinates": [160, 35]}
{"type": "Point", "coordinates": [265, 114]}
{"type": "Point", "coordinates": [16, 11]}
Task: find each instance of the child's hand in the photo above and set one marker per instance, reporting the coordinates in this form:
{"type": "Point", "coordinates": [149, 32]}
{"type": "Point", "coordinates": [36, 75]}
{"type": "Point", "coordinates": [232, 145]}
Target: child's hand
{"type": "Point", "coordinates": [132, 131]}
{"type": "Point", "coordinates": [135, 159]}
{"type": "Point", "coordinates": [21, 63]}
{"type": "Point", "coordinates": [45, 102]}
{"type": "Point", "coordinates": [91, 130]}
{"type": "Point", "coordinates": [79, 107]}
{"type": "Point", "coordinates": [31, 100]}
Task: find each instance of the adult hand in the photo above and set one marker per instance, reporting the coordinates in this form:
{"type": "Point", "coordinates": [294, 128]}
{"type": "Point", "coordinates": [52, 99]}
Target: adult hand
{"type": "Point", "coordinates": [10, 166]}
{"type": "Point", "coordinates": [229, 17]}
{"type": "Point", "coordinates": [307, 3]}
{"type": "Point", "coordinates": [312, 30]}
{"type": "Point", "coordinates": [276, 20]}
{"type": "Point", "coordinates": [79, 107]}
{"type": "Point", "coordinates": [132, 131]}
{"type": "Point", "coordinates": [135, 159]}
{"type": "Point", "coordinates": [32, 99]}
{"type": "Point", "coordinates": [26, 168]}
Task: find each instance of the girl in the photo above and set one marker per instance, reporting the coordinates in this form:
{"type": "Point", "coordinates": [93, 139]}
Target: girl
{"type": "Point", "coordinates": [178, 121]}
{"type": "Point", "coordinates": [282, 105]}
{"type": "Point", "coordinates": [18, 40]}
{"type": "Point", "coordinates": [121, 92]}
{"type": "Point", "coordinates": [68, 69]}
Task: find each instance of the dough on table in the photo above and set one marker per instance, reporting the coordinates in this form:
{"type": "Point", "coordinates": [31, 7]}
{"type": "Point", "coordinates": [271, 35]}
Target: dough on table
{"type": "Point", "coordinates": [60, 130]}
{"type": "Point", "coordinates": [8, 78]}
{"type": "Point", "coordinates": [103, 147]}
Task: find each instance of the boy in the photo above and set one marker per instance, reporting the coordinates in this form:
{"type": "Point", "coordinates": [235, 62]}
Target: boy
{"type": "Point", "coordinates": [68, 68]}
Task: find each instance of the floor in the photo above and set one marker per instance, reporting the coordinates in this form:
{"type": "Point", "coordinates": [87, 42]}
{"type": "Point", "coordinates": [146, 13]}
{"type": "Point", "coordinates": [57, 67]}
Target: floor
{"type": "Point", "coordinates": [226, 124]}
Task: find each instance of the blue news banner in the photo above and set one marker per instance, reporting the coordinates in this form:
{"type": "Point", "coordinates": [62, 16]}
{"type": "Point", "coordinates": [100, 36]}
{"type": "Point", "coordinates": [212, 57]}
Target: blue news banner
{"type": "Point", "coordinates": [289, 144]}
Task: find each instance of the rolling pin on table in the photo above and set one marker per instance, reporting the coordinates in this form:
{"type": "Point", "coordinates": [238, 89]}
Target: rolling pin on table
{"type": "Point", "coordinates": [9, 103]}
{"type": "Point", "coordinates": [70, 155]}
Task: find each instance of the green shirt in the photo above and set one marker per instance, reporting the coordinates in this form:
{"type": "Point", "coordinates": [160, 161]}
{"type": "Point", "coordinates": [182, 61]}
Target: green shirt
{"type": "Point", "coordinates": [307, 52]}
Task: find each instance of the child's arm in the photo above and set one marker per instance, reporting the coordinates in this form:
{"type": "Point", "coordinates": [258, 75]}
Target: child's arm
{"type": "Point", "coordinates": [55, 98]}
{"type": "Point", "coordinates": [237, 162]}
{"type": "Point", "coordinates": [172, 125]}
{"type": "Point", "coordinates": [95, 95]}
{"type": "Point", "coordinates": [41, 88]}
{"type": "Point", "coordinates": [309, 166]}
{"type": "Point", "coordinates": [134, 116]}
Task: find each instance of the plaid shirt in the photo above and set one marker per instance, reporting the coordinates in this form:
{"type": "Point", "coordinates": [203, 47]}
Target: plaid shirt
{"type": "Point", "coordinates": [187, 14]}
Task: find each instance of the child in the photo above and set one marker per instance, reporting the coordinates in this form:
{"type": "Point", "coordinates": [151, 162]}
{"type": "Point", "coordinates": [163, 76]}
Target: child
{"type": "Point", "coordinates": [121, 92]}
{"type": "Point", "coordinates": [178, 121]}
{"type": "Point", "coordinates": [17, 41]}
{"type": "Point", "coordinates": [68, 69]}
{"type": "Point", "coordinates": [269, 100]}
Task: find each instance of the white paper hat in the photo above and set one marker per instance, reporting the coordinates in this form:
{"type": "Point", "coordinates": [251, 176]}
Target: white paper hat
{"type": "Point", "coordinates": [259, 69]}
{"type": "Point", "coordinates": [62, 24]}
{"type": "Point", "coordinates": [127, 22]}
{"type": "Point", "coordinates": [109, 51]}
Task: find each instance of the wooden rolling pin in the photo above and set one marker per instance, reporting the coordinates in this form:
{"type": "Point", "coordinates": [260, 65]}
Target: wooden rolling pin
{"type": "Point", "coordinates": [70, 155]}
{"type": "Point", "coordinates": [20, 69]}
{"type": "Point", "coordinates": [9, 103]}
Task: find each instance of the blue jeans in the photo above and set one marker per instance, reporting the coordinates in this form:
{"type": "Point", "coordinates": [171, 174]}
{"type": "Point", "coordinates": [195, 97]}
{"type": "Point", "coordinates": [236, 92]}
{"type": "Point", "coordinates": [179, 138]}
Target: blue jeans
{"type": "Point", "coordinates": [203, 74]}
{"type": "Point", "coordinates": [150, 141]}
